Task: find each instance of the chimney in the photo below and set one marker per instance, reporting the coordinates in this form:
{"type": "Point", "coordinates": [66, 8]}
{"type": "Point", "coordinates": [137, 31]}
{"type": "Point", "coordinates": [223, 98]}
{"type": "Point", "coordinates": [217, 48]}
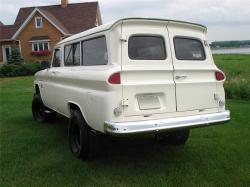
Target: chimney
{"type": "Point", "coordinates": [64, 3]}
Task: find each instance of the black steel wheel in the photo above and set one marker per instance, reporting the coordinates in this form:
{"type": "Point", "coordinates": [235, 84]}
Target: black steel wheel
{"type": "Point", "coordinates": [83, 143]}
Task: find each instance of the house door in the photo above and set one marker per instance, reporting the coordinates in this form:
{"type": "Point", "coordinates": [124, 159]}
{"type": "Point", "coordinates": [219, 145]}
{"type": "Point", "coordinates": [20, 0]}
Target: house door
{"type": "Point", "coordinates": [6, 52]}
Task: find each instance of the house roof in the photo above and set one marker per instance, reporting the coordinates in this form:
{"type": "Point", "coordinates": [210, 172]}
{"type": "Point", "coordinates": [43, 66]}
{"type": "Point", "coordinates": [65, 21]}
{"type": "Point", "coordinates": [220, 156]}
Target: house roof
{"type": "Point", "coordinates": [1, 23]}
{"type": "Point", "coordinates": [6, 31]}
{"type": "Point", "coordinates": [73, 19]}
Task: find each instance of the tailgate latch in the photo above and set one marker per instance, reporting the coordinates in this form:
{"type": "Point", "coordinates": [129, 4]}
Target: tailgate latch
{"type": "Point", "coordinates": [123, 38]}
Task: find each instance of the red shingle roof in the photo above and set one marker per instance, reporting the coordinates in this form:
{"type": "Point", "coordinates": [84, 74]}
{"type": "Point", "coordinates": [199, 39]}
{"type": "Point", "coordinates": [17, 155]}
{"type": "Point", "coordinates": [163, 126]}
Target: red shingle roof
{"type": "Point", "coordinates": [7, 31]}
{"type": "Point", "coordinates": [73, 19]}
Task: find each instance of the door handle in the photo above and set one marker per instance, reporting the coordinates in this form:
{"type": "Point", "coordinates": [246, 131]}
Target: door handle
{"type": "Point", "coordinates": [178, 77]}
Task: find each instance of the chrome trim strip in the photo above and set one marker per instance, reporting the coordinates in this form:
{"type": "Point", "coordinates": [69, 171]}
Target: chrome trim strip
{"type": "Point", "coordinates": [117, 128]}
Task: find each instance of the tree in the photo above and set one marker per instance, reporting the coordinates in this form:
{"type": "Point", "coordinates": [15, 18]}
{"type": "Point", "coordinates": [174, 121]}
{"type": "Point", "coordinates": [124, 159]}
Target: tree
{"type": "Point", "coordinates": [15, 57]}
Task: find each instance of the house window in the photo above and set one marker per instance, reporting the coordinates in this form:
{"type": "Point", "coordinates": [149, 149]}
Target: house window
{"type": "Point", "coordinates": [46, 46]}
{"type": "Point", "coordinates": [35, 47]}
{"type": "Point", "coordinates": [40, 46]}
{"type": "Point", "coordinates": [38, 22]}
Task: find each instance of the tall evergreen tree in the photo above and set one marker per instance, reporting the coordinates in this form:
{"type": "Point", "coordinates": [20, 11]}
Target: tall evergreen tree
{"type": "Point", "coordinates": [15, 57]}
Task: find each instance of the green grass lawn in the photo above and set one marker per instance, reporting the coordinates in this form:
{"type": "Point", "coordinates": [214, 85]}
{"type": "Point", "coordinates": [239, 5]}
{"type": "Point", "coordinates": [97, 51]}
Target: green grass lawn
{"type": "Point", "coordinates": [237, 70]}
{"type": "Point", "coordinates": [35, 154]}
{"type": "Point", "coordinates": [234, 65]}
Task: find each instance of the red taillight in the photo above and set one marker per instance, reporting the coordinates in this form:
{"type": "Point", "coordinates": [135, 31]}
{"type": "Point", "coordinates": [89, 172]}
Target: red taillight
{"type": "Point", "coordinates": [219, 76]}
{"type": "Point", "coordinates": [115, 78]}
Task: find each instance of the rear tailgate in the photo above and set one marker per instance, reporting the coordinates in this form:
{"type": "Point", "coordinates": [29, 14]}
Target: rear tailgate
{"type": "Point", "coordinates": [147, 70]}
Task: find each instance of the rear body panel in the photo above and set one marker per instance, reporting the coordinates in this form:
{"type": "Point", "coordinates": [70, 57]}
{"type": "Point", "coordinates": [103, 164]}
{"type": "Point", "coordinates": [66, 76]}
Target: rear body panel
{"type": "Point", "coordinates": [168, 85]}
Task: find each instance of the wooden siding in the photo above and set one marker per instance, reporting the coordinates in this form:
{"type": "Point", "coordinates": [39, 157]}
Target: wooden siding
{"type": "Point", "coordinates": [30, 30]}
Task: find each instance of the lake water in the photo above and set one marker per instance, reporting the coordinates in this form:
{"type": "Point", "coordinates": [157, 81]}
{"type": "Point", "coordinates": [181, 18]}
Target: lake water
{"type": "Point", "coordinates": [232, 51]}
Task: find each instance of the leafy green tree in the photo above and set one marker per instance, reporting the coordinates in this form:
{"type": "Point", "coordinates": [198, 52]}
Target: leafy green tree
{"type": "Point", "coordinates": [15, 57]}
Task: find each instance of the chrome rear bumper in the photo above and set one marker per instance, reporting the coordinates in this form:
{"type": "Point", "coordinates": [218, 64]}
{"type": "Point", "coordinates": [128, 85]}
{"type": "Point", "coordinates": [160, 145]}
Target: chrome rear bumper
{"type": "Point", "coordinates": [166, 124]}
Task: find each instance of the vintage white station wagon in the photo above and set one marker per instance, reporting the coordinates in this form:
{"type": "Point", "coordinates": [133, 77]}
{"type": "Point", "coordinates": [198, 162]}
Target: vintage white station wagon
{"type": "Point", "coordinates": [133, 76]}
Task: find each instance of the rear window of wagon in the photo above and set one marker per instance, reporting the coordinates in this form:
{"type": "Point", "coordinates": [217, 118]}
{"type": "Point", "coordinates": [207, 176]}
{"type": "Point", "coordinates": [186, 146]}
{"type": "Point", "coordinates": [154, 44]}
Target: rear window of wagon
{"type": "Point", "coordinates": [146, 48]}
{"type": "Point", "coordinates": [188, 49]}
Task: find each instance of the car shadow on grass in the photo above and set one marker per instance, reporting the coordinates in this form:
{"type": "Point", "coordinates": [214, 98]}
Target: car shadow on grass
{"type": "Point", "coordinates": [134, 149]}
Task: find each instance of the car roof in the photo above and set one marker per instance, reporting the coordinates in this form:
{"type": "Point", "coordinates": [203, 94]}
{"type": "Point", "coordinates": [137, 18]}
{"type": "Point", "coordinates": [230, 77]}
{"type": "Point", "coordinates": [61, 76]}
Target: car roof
{"type": "Point", "coordinates": [110, 25]}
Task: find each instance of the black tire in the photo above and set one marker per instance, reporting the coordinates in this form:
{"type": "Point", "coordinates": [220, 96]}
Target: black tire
{"type": "Point", "coordinates": [83, 141]}
{"type": "Point", "coordinates": [40, 112]}
{"type": "Point", "coordinates": [179, 137]}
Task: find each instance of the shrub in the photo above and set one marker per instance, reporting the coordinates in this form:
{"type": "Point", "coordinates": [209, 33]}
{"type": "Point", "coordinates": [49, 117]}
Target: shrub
{"type": "Point", "coordinates": [12, 70]}
{"type": "Point", "coordinates": [237, 89]}
{"type": "Point", "coordinates": [9, 70]}
{"type": "Point", "coordinates": [236, 68]}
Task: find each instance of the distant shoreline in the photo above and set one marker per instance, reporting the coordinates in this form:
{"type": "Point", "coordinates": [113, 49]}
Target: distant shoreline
{"type": "Point", "coordinates": [238, 50]}
{"type": "Point", "coordinates": [242, 47]}
{"type": "Point", "coordinates": [230, 44]}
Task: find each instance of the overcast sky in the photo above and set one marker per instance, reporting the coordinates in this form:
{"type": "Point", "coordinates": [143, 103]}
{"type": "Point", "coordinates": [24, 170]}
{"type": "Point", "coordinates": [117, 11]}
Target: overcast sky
{"type": "Point", "coordinates": [225, 19]}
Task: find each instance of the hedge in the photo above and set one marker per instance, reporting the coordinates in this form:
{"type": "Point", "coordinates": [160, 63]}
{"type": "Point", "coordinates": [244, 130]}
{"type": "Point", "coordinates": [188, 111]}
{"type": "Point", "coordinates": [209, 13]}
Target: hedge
{"type": "Point", "coordinates": [13, 70]}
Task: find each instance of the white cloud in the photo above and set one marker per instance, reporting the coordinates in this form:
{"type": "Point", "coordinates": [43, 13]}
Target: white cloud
{"type": "Point", "coordinates": [208, 11]}
{"type": "Point", "coordinates": [228, 32]}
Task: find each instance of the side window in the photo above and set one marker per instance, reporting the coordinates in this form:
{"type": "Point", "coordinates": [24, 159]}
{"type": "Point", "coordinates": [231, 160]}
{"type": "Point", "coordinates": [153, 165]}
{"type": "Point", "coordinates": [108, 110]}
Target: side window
{"type": "Point", "coordinates": [72, 55]}
{"type": "Point", "coordinates": [94, 52]}
{"type": "Point", "coordinates": [146, 48]}
{"type": "Point", "coordinates": [57, 58]}
{"type": "Point", "coordinates": [188, 49]}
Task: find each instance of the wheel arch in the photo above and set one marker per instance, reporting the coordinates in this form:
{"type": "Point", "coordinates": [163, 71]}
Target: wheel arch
{"type": "Point", "coordinates": [37, 89]}
{"type": "Point", "coordinates": [75, 106]}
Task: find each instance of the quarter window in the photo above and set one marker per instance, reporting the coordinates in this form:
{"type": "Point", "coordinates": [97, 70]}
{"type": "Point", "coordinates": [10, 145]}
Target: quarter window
{"type": "Point", "coordinates": [188, 49]}
{"type": "Point", "coordinates": [146, 48]}
{"type": "Point", "coordinates": [57, 58]}
{"type": "Point", "coordinates": [94, 52]}
{"type": "Point", "coordinates": [72, 55]}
